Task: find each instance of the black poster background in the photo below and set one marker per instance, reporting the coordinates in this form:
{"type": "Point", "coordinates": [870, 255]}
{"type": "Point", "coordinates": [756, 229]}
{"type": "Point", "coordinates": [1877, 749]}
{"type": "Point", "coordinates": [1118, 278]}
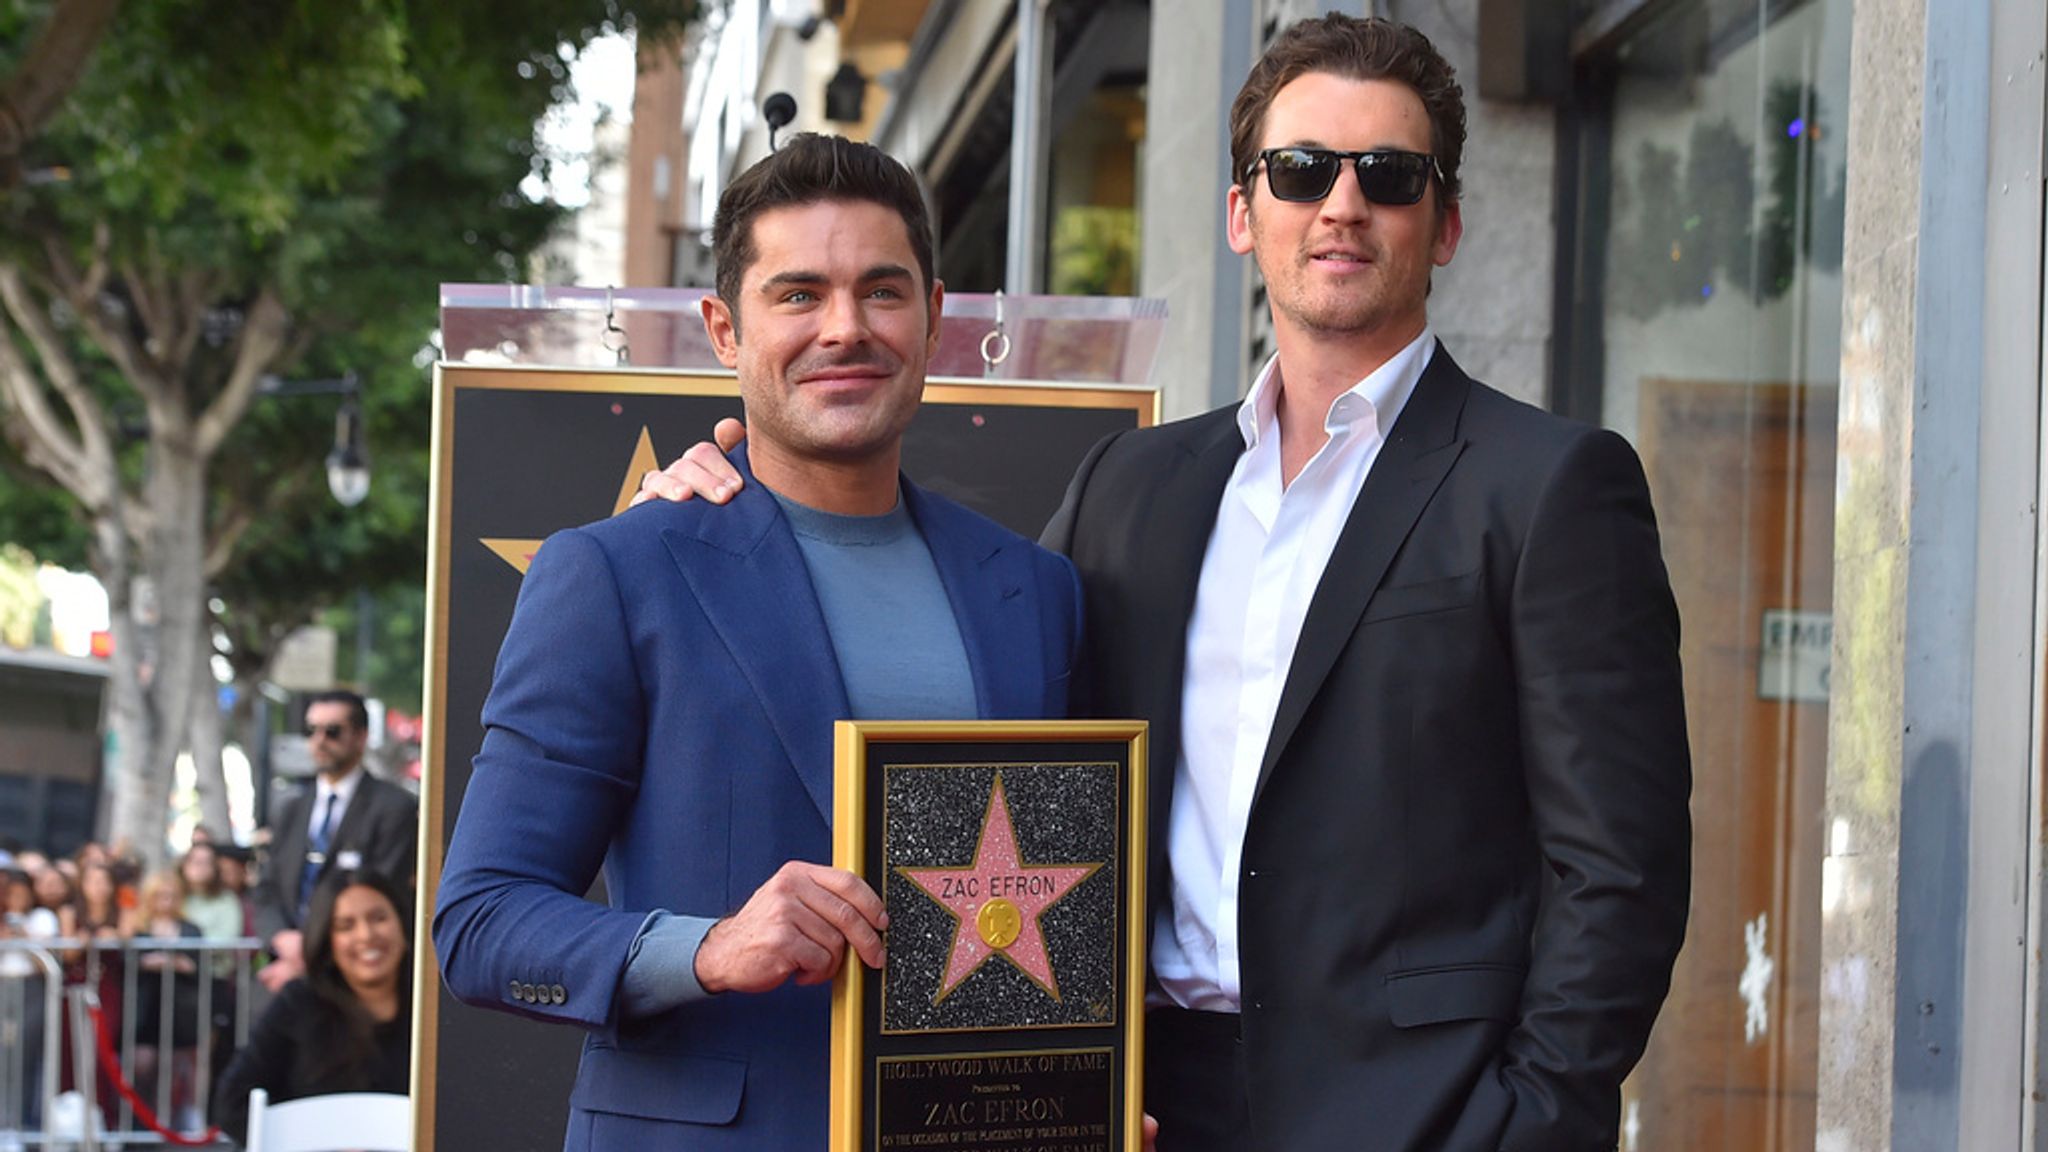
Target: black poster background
{"type": "Point", "coordinates": [524, 453]}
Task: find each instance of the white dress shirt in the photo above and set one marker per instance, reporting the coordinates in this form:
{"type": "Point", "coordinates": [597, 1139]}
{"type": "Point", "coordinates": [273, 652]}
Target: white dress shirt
{"type": "Point", "coordinates": [343, 790]}
{"type": "Point", "coordinates": [1265, 558]}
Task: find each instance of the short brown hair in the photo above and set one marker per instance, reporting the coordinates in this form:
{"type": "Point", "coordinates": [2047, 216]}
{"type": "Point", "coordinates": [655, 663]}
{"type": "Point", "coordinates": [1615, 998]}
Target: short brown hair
{"type": "Point", "coordinates": [1359, 49]}
{"type": "Point", "coordinates": [809, 168]}
{"type": "Point", "coordinates": [358, 710]}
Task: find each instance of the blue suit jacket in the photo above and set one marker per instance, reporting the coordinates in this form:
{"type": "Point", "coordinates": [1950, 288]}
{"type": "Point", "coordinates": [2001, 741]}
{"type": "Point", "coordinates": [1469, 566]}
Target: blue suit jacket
{"type": "Point", "coordinates": [663, 707]}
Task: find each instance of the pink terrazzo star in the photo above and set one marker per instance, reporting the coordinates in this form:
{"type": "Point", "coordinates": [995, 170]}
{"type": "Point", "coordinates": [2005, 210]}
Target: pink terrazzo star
{"type": "Point", "coordinates": [998, 877]}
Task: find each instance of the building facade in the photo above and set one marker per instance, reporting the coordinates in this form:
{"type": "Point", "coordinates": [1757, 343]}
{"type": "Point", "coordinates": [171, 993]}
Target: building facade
{"type": "Point", "coordinates": [1793, 250]}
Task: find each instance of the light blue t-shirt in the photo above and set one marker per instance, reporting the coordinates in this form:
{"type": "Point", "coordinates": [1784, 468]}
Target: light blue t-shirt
{"type": "Point", "coordinates": [900, 656]}
{"type": "Point", "coordinates": [892, 627]}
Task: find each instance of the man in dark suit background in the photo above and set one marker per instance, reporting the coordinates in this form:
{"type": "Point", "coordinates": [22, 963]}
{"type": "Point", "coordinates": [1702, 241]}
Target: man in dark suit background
{"type": "Point", "coordinates": [1420, 832]}
{"type": "Point", "coordinates": [344, 819]}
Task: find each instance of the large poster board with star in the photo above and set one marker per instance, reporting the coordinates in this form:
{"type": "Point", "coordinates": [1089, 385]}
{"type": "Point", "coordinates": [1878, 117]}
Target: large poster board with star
{"type": "Point", "coordinates": [522, 452]}
{"type": "Point", "coordinates": [1008, 1013]}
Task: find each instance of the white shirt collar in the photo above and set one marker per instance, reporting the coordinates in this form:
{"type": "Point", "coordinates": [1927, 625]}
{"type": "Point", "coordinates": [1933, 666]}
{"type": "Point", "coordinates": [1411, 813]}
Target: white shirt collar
{"type": "Point", "coordinates": [1382, 394]}
{"type": "Point", "coordinates": [343, 789]}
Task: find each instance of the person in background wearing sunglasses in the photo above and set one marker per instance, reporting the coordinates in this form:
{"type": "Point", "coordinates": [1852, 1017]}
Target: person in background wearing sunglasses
{"type": "Point", "coordinates": [1420, 780]}
{"type": "Point", "coordinates": [347, 820]}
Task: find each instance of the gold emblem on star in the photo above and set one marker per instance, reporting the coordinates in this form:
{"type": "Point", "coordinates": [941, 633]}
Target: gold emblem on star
{"type": "Point", "coordinates": [999, 922]}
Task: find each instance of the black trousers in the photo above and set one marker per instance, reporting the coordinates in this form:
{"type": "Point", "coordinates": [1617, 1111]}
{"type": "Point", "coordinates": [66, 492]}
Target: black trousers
{"type": "Point", "coordinates": [1195, 1083]}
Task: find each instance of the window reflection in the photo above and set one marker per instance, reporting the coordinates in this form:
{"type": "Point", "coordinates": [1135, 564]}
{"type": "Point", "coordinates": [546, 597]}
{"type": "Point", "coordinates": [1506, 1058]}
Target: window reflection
{"type": "Point", "coordinates": [1712, 211]}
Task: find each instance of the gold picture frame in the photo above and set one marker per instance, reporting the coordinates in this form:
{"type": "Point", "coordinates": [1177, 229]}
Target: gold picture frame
{"type": "Point", "coordinates": [1025, 1051]}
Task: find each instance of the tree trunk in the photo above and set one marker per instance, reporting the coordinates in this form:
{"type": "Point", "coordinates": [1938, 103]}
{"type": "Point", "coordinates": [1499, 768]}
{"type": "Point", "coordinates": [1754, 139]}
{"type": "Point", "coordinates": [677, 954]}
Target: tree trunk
{"type": "Point", "coordinates": [209, 739]}
{"type": "Point", "coordinates": [176, 491]}
{"type": "Point", "coordinates": [128, 722]}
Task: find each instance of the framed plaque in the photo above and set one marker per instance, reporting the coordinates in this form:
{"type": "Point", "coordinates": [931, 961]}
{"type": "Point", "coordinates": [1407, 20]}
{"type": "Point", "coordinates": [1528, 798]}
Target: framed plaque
{"type": "Point", "coordinates": [1009, 1011]}
{"type": "Point", "coordinates": [523, 451]}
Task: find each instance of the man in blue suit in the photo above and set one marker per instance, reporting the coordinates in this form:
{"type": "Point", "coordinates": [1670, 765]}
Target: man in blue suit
{"type": "Point", "coordinates": [663, 703]}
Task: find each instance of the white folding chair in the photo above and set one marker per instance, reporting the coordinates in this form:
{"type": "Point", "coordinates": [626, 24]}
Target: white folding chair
{"type": "Point", "coordinates": [355, 1121]}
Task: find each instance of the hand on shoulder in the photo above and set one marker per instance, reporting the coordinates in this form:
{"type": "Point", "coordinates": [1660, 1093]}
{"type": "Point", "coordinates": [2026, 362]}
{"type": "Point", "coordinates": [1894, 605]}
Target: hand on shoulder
{"type": "Point", "coordinates": [702, 470]}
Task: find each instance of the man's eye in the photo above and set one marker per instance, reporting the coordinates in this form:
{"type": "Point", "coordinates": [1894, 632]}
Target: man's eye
{"type": "Point", "coordinates": [800, 296]}
{"type": "Point", "coordinates": [886, 292]}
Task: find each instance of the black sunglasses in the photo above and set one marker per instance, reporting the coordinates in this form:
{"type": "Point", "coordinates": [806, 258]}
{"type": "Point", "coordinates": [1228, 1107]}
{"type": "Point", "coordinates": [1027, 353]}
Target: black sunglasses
{"type": "Point", "coordinates": [331, 731]}
{"type": "Point", "coordinates": [1306, 175]}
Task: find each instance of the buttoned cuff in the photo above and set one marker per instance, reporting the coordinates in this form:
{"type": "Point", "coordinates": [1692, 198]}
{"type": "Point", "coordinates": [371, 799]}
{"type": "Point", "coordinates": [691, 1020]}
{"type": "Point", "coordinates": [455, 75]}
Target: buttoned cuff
{"type": "Point", "coordinates": [661, 966]}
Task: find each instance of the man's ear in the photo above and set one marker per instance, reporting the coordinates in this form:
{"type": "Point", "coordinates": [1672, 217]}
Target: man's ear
{"type": "Point", "coordinates": [938, 307]}
{"type": "Point", "coordinates": [723, 329]}
{"type": "Point", "coordinates": [1237, 219]}
{"type": "Point", "coordinates": [1450, 228]}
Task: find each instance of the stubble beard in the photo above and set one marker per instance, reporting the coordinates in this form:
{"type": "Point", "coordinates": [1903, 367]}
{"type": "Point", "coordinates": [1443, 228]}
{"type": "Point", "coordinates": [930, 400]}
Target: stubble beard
{"type": "Point", "coordinates": [1367, 306]}
{"type": "Point", "coordinates": [841, 433]}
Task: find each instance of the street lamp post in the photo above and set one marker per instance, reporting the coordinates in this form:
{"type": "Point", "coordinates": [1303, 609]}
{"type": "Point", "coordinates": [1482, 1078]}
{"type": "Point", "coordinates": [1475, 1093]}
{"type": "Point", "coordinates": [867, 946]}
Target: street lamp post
{"type": "Point", "coordinates": [348, 478]}
{"type": "Point", "coordinates": [348, 465]}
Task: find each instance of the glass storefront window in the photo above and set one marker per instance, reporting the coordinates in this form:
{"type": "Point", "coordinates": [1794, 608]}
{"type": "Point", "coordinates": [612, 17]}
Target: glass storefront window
{"type": "Point", "coordinates": [1093, 236]}
{"type": "Point", "coordinates": [1712, 140]}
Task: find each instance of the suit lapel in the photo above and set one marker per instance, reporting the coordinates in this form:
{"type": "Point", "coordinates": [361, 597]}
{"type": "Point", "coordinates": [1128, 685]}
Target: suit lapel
{"type": "Point", "coordinates": [288, 847]}
{"type": "Point", "coordinates": [1189, 499]}
{"type": "Point", "coordinates": [985, 576]}
{"type": "Point", "coordinates": [749, 578]}
{"type": "Point", "coordinates": [1410, 468]}
{"type": "Point", "coordinates": [352, 819]}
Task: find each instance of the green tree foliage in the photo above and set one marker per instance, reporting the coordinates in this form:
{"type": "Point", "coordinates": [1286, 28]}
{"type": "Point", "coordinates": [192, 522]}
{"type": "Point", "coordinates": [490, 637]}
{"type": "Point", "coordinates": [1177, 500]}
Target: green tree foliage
{"type": "Point", "coordinates": [252, 190]}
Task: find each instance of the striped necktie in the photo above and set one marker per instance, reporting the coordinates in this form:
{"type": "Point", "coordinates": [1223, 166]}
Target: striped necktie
{"type": "Point", "coordinates": [316, 855]}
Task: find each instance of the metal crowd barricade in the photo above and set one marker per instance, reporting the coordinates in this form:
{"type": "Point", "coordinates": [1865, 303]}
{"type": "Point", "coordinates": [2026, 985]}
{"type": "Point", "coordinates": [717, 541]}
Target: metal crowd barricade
{"type": "Point", "coordinates": [29, 1036]}
{"type": "Point", "coordinates": [30, 1080]}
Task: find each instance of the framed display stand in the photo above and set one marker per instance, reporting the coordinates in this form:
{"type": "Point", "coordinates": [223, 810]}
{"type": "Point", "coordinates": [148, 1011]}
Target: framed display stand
{"type": "Point", "coordinates": [539, 426]}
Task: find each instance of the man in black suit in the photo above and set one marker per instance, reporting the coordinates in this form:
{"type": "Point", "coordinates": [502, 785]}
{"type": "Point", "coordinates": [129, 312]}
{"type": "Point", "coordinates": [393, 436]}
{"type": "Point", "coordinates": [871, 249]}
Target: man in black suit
{"type": "Point", "coordinates": [1410, 656]}
{"type": "Point", "coordinates": [347, 819]}
{"type": "Point", "coordinates": [1420, 835]}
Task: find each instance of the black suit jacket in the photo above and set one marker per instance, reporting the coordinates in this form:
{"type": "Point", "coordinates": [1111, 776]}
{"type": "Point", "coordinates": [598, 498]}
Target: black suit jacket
{"type": "Point", "coordinates": [381, 827]}
{"type": "Point", "coordinates": [1466, 867]}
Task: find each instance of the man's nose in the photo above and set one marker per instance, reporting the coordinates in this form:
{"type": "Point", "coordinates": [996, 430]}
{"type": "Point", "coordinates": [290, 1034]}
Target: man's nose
{"type": "Point", "coordinates": [1346, 202]}
{"type": "Point", "coordinates": [843, 322]}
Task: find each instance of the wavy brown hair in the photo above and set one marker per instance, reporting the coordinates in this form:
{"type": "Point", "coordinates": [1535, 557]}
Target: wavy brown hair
{"type": "Point", "coordinates": [811, 168]}
{"type": "Point", "coordinates": [1358, 49]}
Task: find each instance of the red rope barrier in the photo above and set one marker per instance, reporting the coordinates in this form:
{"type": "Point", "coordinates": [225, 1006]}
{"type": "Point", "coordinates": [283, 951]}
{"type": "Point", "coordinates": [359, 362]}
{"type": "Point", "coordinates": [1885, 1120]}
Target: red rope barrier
{"type": "Point", "coordinates": [110, 1062]}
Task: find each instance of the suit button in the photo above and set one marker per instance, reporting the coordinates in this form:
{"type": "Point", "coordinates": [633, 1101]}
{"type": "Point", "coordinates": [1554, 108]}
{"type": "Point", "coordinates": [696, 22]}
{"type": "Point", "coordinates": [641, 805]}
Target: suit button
{"type": "Point", "coordinates": [516, 986]}
{"type": "Point", "coordinates": [526, 993]}
{"type": "Point", "coordinates": [558, 994]}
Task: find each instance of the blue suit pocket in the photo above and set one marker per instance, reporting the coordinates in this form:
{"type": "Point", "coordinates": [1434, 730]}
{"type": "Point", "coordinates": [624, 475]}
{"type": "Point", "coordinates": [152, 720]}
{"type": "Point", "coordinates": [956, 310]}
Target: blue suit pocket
{"type": "Point", "coordinates": [1456, 992]}
{"type": "Point", "coordinates": [671, 1086]}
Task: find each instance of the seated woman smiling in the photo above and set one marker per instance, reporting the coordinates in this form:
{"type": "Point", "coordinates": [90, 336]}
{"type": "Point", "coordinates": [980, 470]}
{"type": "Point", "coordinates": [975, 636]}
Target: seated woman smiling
{"type": "Point", "coordinates": [346, 1026]}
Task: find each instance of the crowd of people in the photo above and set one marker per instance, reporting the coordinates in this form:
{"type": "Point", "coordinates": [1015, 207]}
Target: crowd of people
{"type": "Point", "coordinates": [101, 909]}
{"type": "Point", "coordinates": [318, 940]}
{"type": "Point", "coordinates": [342, 1025]}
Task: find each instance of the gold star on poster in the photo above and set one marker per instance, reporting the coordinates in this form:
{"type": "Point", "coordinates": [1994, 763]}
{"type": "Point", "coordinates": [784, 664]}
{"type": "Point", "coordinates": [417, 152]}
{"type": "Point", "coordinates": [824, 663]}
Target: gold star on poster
{"type": "Point", "coordinates": [519, 553]}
